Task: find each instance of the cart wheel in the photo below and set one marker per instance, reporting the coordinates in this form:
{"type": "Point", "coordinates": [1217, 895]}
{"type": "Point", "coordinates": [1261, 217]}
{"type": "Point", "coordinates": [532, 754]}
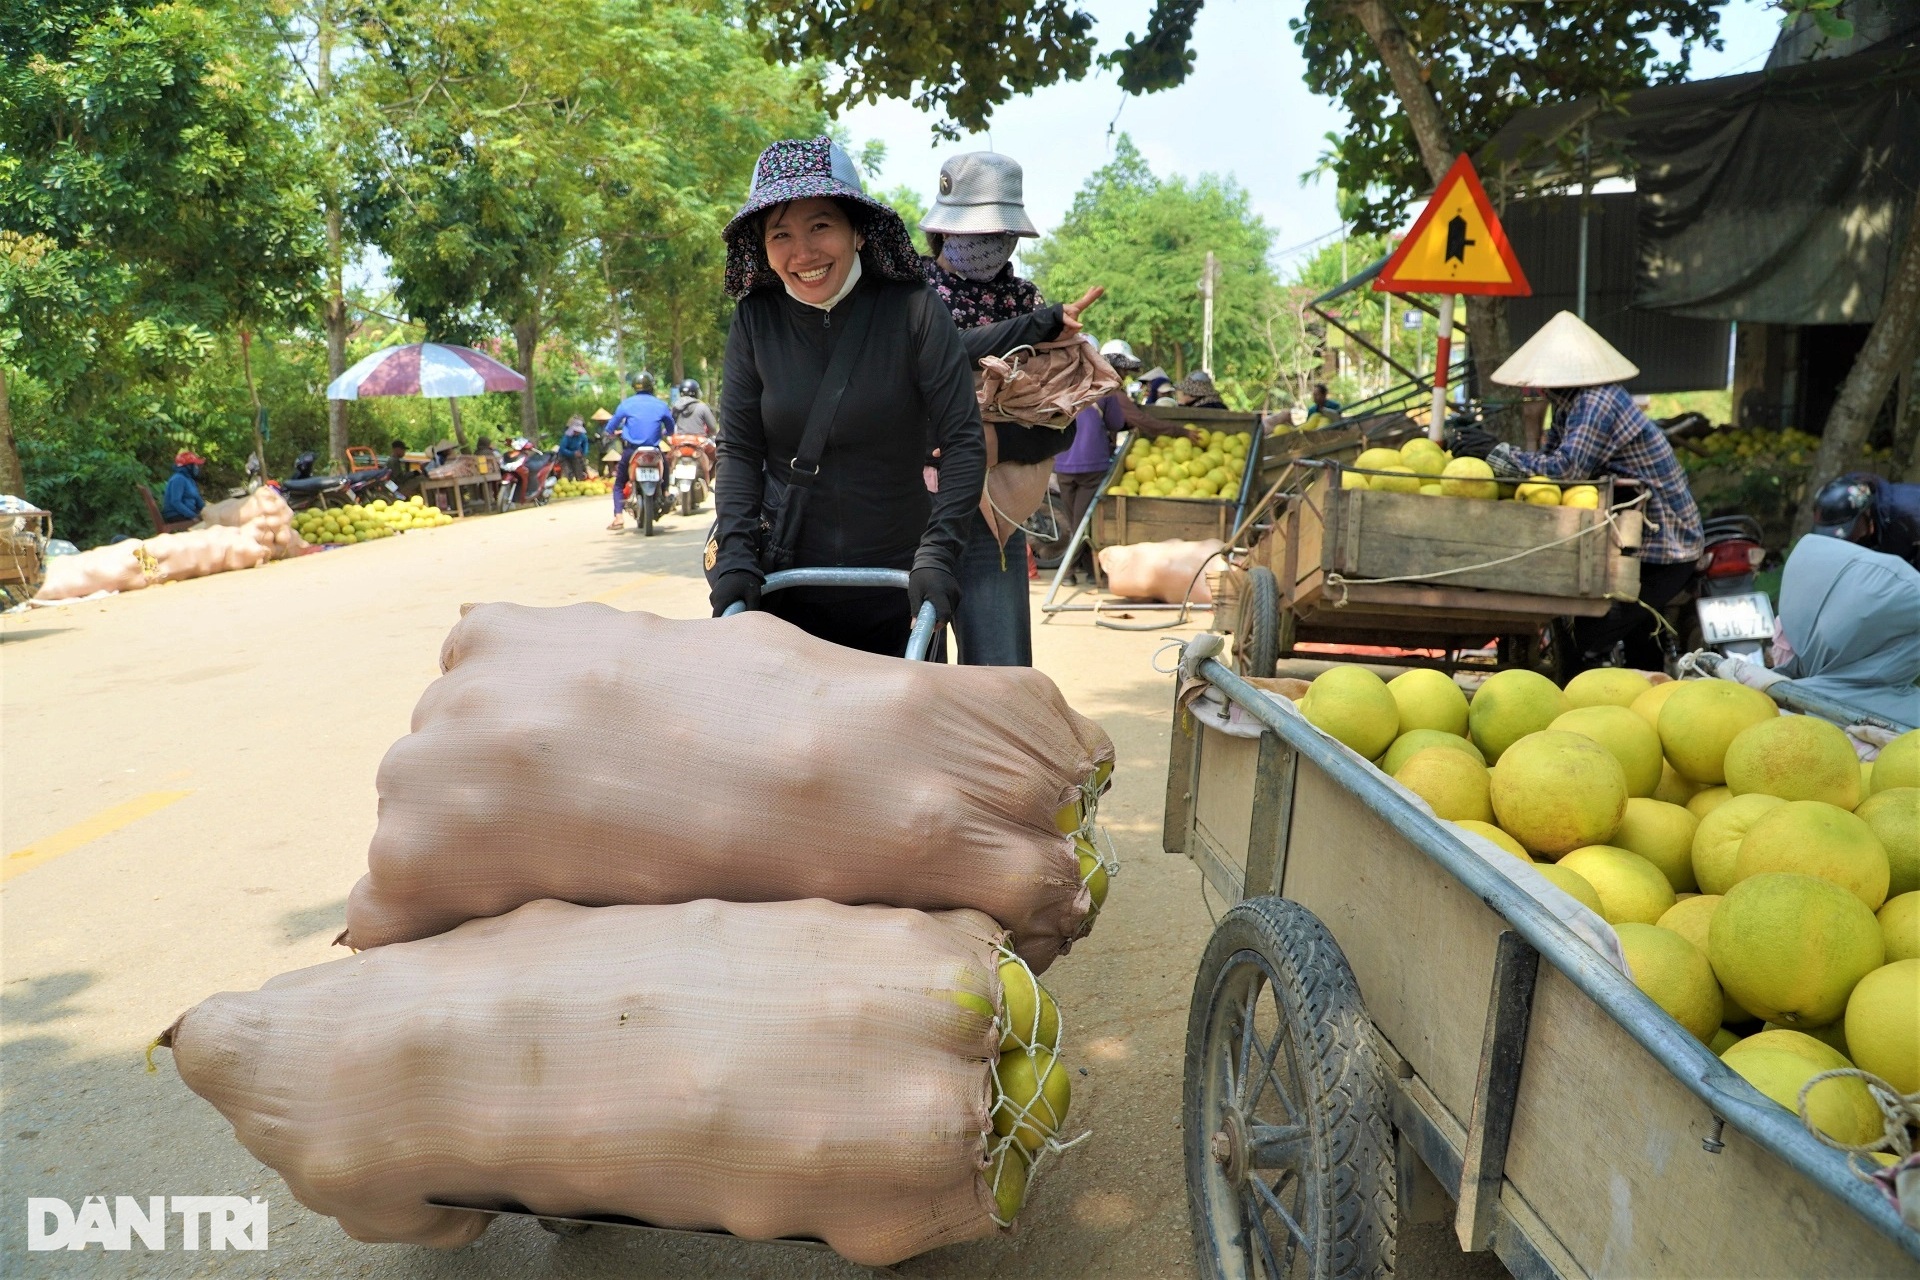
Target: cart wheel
{"type": "Point", "coordinates": [1289, 1146]}
{"type": "Point", "coordinates": [1256, 631]}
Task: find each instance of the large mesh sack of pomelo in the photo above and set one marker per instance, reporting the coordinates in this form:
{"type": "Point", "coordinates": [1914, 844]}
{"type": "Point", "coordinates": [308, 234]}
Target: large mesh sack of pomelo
{"type": "Point", "coordinates": [1170, 571]}
{"type": "Point", "coordinates": [604, 757]}
{"type": "Point", "coordinates": [114, 567]}
{"type": "Point", "coordinates": [198, 553]}
{"type": "Point", "coordinates": [769, 1069]}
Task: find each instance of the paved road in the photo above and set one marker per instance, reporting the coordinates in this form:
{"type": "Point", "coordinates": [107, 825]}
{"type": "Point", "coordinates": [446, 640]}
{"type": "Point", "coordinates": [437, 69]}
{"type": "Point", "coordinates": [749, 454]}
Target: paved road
{"type": "Point", "coordinates": [194, 767]}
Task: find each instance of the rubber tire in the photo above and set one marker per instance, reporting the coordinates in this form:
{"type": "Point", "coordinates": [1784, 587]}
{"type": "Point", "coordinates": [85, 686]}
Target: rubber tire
{"type": "Point", "coordinates": [1349, 1205]}
{"type": "Point", "coordinates": [686, 503]}
{"type": "Point", "coordinates": [644, 521]}
{"type": "Point", "coordinates": [1256, 629]}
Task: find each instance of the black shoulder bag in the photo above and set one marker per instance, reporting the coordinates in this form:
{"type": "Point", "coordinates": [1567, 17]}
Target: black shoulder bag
{"type": "Point", "coordinates": [784, 508]}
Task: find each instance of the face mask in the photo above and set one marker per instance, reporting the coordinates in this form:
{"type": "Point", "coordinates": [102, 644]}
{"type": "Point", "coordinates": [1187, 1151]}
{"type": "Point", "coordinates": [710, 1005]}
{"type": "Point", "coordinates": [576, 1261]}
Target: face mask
{"type": "Point", "coordinates": [979, 257]}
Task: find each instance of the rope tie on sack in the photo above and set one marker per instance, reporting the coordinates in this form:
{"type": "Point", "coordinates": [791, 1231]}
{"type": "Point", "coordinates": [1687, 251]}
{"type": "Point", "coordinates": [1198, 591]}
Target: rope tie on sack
{"type": "Point", "coordinates": [1898, 1111]}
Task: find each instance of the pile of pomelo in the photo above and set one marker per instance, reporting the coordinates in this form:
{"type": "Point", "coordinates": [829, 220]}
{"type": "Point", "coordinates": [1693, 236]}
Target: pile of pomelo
{"type": "Point", "coordinates": [582, 488]}
{"type": "Point", "coordinates": [1423, 467]}
{"type": "Point", "coordinates": [1764, 883]}
{"type": "Point", "coordinates": [380, 518]}
{"type": "Point", "coordinates": [1178, 467]}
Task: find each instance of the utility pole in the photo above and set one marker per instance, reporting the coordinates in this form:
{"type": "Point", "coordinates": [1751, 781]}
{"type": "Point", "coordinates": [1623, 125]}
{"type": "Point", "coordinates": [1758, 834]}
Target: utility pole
{"type": "Point", "coordinates": [1206, 293]}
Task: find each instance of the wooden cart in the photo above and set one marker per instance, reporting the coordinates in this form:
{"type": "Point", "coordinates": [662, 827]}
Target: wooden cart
{"type": "Point", "coordinates": [1374, 1040]}
{"type": "Point", "coordinates": [24, 532]}
{"type": "Point", "coordinates": [1360, 566]}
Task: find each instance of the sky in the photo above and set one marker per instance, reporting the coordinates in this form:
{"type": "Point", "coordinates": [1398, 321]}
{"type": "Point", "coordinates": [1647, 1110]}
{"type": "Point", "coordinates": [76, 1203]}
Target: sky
{"type": "Point", "coordinates": [1244, 111]}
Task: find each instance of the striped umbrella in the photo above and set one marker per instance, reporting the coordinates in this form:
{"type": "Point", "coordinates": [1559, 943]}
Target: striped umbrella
{"type": "Point", "coordinates": [425, 369]}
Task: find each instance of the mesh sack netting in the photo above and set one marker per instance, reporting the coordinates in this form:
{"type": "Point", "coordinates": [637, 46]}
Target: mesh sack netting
{"type": "Point", "coordinates": [794, 1069]}
{"type": "Point", "coordinates": [603, 757]}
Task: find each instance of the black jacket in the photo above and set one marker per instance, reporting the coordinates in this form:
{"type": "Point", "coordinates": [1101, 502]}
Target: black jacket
{"type": "Point", "coordinates": [913, 384]}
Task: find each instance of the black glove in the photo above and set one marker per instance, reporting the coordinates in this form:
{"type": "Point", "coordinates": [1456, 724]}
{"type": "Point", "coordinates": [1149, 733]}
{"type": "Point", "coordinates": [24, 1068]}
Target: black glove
{"type": "Point", "coordinates": [1472, 442]}
{"type": "Point", "coordinates": [740, 586]}
{"type": "Point", "coordinates": [936, 585]}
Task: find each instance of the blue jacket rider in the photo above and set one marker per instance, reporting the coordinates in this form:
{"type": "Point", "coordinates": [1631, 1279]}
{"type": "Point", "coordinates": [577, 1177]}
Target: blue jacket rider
{"type": "Point", "coordinates": [641, 419]}
{"type": "Point", "coordinates": [182, 500]}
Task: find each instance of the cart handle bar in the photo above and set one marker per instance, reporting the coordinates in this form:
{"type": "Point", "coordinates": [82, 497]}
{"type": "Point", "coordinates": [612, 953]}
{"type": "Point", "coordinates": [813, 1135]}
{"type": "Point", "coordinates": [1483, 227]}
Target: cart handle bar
{"type": "Point", "coordinates": [918, 642]}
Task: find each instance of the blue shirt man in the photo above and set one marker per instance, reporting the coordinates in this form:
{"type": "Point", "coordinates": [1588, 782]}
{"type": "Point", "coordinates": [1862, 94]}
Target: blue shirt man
{"type": "Point", "coordinates": [642, 419]}
{"type": "Point", "coordinates": [182, 500]}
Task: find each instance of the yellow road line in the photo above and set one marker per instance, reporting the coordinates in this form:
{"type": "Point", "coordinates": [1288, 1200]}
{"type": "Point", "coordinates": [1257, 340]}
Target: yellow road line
{"type": "Point", "coordinates": [104, 823]}
{"type": "Point", "coordinates": [612, 593]}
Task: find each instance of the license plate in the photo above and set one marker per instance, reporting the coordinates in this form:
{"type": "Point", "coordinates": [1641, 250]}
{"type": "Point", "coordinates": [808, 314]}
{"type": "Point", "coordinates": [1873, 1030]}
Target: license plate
{"type": "Point", "coordinates": [653, 473]}
{"type": "Point", "coordinates": [1724, 619]}
{"type": "Point", "coordinates": [685, 470]}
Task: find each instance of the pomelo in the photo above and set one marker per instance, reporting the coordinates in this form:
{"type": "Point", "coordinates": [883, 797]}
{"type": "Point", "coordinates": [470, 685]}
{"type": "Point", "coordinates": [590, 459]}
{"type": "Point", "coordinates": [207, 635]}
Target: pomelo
{"type": "Point", "coordinates": [1690, 917]}
{"type": "Point", "coordinates": [1866, 777]}
{"type": "Point", "coordinates": [1631, 889]}
{"type": "Point", "coordinates": [1538, 491]}
{"type": "Point", "coordinates": [1068, 818]}
{"type": "Point", "coordinates": [1898, 764]}
{"type": "Point", "coordinates": [1833, 1035]}
{"type": "Point", "coordinates": [1789, 948]}
{"type": "Point", "coordinates": [1429, 699]}
{"type": "Point", "coordinates": [1093, 873]}
{"type": "Point", "coordinates": [1398, 478]}
{"type": "Point", "coordinates": [1841, 1108]}
{"type": "Point", "coordinates": [1700, 720]}
{"type": "Point", "coordinates": [1468, 478]}
{"type": "Point", "coordinates": [1806, 837]}
{"type": "Point", "coordinates": [1662, 834]}
{"type": "Point", "coordinates": [1900, 926]}
{"type": "Point", "coordinates": [1795, 758]}
{"type": "Point", "coordinates": [1007, 1179]}
{"type": "Point", "coordinates": [1607, 686]}
{"type": "Point", "coordinates": [1647, 705]}
{"type": "Point", "coordinates": [1377, 459]}
{"type": "Point", "coordinates": [1673, 788]}
{"type": "Point", "coordinates": [1723, 1040]}
{"type": "Point", "coordinates": [1674, 975]}
{"type": "Point", "coordinates": [1032, 1018]}
{"type": "Point", "coordinates": [1706, 799]}
{"type": "Point", "coordinates": [1716, 841]}
{"type": "Point", "coordinates": [1450, 781]}
{"type": "Point", "coordinates": [1554, 791]}
{"type": "Point", "coordinates": [1415, 740]}
{"type": "Point", "coordinates": [1574, 885]}
{"type": "Point", "coordinates": [1034, 1095]}
{"type": "Point", "coordinates": [1353, 705]}
{"type": "Point", "coordinates": [1510, 705]}
{"type": "Point", "coordinates": [1430, 490]}
{"type": "Point", "coordinates": [1894, 816]}
{"type": "Point", "coordinates": [1424, 462]}
{"type": "Point", "coordinates": [1500, 839]}
{"type": "Point", "coordinates": [1626, 736]}
{"type": "Point", "coordinates": [1883, 1024]}
{"type": "Point", "coordinates": [1821, 1053]}
{"type": "Point", "coordinates": [1581, 495]}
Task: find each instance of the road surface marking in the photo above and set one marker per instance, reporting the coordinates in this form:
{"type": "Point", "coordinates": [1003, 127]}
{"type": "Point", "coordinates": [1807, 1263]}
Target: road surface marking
{"type": "Point", "coordinates": [613, 592]}
{"type": "Point", "coordinates": [104, 823]}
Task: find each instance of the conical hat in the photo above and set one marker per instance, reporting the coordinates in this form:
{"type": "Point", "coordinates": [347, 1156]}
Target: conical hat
{"type": "Point", "coordinates": [1565, 353]}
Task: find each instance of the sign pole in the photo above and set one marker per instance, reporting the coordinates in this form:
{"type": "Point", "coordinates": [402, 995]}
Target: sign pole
{"type": "Point", "coordinates": [1442, 356]}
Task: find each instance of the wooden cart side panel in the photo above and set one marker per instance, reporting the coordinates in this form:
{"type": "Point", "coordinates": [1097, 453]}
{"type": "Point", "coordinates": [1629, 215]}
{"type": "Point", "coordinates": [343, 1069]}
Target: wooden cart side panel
{"type": "Point", "coordinates": [1223, 807]}
{"type": "Point", "coordinates": [1390, 535]}
{"type": "Point", "coordinates": [1606, 1147]}
{"type": "Point", "coordinates": [1420, 945]}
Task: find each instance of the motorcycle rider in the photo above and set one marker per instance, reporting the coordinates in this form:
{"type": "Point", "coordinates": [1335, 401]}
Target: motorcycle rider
{"type": "Point", "coordinates": [691, 415]}
{"type": "Point", "coordinates": [1873, 512]}
{"type": "Point", "coordinates": [641, 420]}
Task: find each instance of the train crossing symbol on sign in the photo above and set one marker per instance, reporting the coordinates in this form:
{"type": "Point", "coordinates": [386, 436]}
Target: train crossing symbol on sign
{"type": "Point", "coordinates": [1456, 246]}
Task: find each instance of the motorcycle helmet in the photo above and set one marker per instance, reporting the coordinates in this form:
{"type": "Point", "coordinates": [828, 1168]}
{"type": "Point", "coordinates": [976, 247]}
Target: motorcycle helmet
{"type": "Point", "coordinates": [690, 389]}
{"type": "Point", "coordinates": [642, 383]}
{"type": "Point", "coordinates": [1843, 509]}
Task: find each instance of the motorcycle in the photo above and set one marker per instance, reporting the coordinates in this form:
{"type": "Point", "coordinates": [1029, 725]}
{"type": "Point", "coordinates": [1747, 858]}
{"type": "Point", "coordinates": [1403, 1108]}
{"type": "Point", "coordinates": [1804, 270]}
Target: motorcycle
{"type": "Point", "coordinates": [1720, 609]}
{"type": "Point", "coordinates": [527, 474]}
{"type": "Point", "coordinates": [693, 459]}
{"type": "Point", "coordinates": [647, 486]}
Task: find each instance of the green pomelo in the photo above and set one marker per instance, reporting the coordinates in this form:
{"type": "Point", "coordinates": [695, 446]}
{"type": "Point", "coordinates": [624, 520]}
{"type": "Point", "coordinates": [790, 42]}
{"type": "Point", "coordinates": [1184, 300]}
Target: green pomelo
{"type": "Point", "coordinates": [1674, 975]}
{"type": "Point", "coordinates": [1898, 764]}
{"type": "Point", "coordinates": [1574, 885]}
{"type": "Point", "coordinates": [1452, 783]}
{"type": "Point", "coordinates": [1093, 873]}
{"type": "Point", "coordinates": [1841, 1107]}
{"type": "Point", "coordinates": [1672, 788]}
{"type": "Point", "coordinates": [1352, 704]}
{"type": "Point", "coordinates": [1900, 926]}
{"type": "Point", "coordinates": [1894, 816]}
{"type": "Point", "coordinates": [1006, 1176]}
{"type": "Point", "coordinates": [1626, 736]}
{"type": "Point", "coordinates": [1034, 1095]}
{"type": "Point", "coordinates": [1607, 687]}
{"type": "Point", "coordinates": [1883, 1024]}
{"type": "Point", "coordinates": [1790, 948]}
{"type": "Point", "coordinates": [1700, 721]}
{"type": "Point", "coordinates": [1500, 839]}
{"type": "Point", "coordinates": [1631, 889]}
{"type": "Point", "coordinates": [1554, 791]}
{"type": "Point", "coordinates": [1716, 841]}
{"type": "Point", "coordinates": [1415, 740]}
{"type": "Point", "coordinates": [1468, 478]}
{"type": "Point", "coordinates": [1033, 1019]}
{"type": "Point", "coordinates": [1705, 800]}
{"type": "Point", "coordinates": [1509, 706]}
{"type": "Point", "coordinates": [1795, 758]}
{"type": "Point", "coordinates": [1429, 700]}
{"type": "Point", "coordinates": [1662, 834]}
{"type": "Point", "coordinates": [1806, 837]}
{"type": "Point", "coordinates": [1723, 1040]}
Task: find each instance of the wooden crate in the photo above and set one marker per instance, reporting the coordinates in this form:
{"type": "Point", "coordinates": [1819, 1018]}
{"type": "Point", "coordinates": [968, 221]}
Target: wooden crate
{"type": "Point", "coordinates": [1120, 520]}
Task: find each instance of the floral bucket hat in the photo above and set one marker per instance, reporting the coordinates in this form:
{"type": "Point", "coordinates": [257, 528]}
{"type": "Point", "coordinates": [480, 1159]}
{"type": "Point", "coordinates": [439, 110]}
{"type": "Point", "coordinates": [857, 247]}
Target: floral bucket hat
{"type": "Point", "coordinates": [803, 169]}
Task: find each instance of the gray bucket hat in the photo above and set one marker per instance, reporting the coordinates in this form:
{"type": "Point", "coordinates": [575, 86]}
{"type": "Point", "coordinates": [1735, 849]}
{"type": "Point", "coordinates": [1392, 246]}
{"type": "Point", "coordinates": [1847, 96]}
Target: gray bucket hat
{"type": "Point", "coordinates": [979, 195]}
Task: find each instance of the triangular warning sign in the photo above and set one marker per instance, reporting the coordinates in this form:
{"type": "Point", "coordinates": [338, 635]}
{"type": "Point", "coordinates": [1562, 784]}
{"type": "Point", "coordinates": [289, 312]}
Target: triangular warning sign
{"type": "Point", "coordinates": [1456, 246]}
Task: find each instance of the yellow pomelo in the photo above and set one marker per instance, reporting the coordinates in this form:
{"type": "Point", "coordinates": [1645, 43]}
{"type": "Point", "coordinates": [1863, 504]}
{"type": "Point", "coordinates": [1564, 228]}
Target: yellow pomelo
{"type": "Point", "coordinates": [1723, 1040]}
{"type": "Point", "coordinates": [1398, 478]}
{"type": "Point", "coordinates": [1429, 699]}
{"type": "Point", "coordinates": [1414, 740]}
{"type": "Point", "coordinates": [1808, 838]}
{"type": "Point", "coordinates": [1894, 816]}
{"type": "Point", "coordinates": [1424, 462]}
{"type": "Point", "coordinates": [1789, 948]}
{"type": "Point", "coordinates": [1689, 917]}
{"type": "Point", "coordinates": [1378, 459]}
{"type": "Point", "coordinates": [1574, 885]}
{"type": "Point", "coordinates": [1555, 791]}
{"type": "Point", "coordinates": [1883, 1024]}
{"type": "Point", "coordinates": [1631, 889]}
{"type": "Point", "coordinates": [1900, 926]}
{"type": "Point", "coordinates": [1795, 758]}
{"type": "Point", "coordinates": [1034, 1095]}
{"type": "Point", "coordinates": [1007, 1179]}
{"type": "Point", "coordinates": [1509, 706]}
{"type": "Point", "coordinates": [1069, 817]}
{"type": "Point", "coordinates": [1647, 705]}
{"type": "Point", "coordinates": [1430, 491]}
{"type": "Point", "coordinates": [1093, 873]}
{"type": "Point", "coordinates": [1452, 782]}
{"type": "Point", "coordinates": [1662, 834]}
{"type": "Point", "coordinates": [1353, 705]}
{"type": "Point", "coordinates": [1500, 839]}
{"type": "Point", "coordinates": [1468, 478]}
{"type": "Point", "coordinates": [1833, 1035]}
{"type": "Point", "coordinates": [1841, 1108]}
{"type": "Point", "coordinates": [1421, 444]}
{"type": "Point", "coordinates": [1716, 842]}
{"type": "Point", "coordinates": [1805, 1044]}
{"type": "Point", "coordinates": [1672, 788]}
{"type": "Point", "coordinates": [1032, 1018]}
{"type": "Point", "coordinates": [1538, 492]}
{"type": "Point", "coordinates": [1606, 686]}
{"type": "Point", "coordinates": [1702, 719]}
{"type": "Point", "coordinates": [1898, 764]}
{"type": "Point", "coordinates": [1674, 975]}
{"type": "Point", "coordinates": [1352, 480]}
{"type": "Point", "coordinates": [1705, 800]}
{"type": "Point", "coordinates": [1626, 736]}
{"type": "Point", "coordinates": [1866, 777]}
{"type": "Point", "coordinates": [1584, 496]}
{"type": "Point", "coordinates": [969, 1000]}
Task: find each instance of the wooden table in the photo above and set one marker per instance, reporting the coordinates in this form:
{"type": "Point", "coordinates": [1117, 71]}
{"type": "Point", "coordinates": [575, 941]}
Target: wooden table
{"type": "Point", "coordinates": [453, 486]}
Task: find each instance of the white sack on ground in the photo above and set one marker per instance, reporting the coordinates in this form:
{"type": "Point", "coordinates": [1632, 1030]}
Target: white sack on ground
{"type": "Point", "coordinates": [114, 567]}
{"type": "Point", "coordinates": [1162, 571]}
{"type": "Point", "coordinates": [772, 1069]}
{"type": "Point", "coordinates": [654, 761]}
{"type": "Point", "coordinates": [264, 513]}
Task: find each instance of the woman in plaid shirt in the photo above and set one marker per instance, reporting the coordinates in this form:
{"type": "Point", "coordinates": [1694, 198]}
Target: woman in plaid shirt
{"type": "Point", "coordinates": [1598, 430]}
